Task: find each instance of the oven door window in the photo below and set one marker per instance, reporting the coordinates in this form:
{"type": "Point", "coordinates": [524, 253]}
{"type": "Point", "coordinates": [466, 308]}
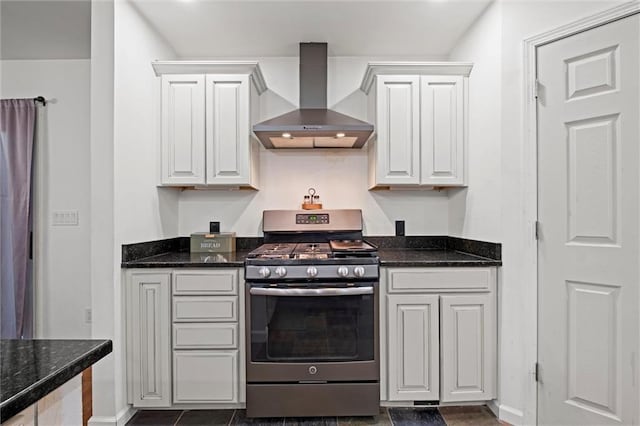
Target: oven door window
{"type": "Point", "coordinates": [312, 328]}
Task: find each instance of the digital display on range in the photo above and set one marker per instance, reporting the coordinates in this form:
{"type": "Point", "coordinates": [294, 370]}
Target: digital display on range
{"type": "Point", "coordinates": [312, 219]}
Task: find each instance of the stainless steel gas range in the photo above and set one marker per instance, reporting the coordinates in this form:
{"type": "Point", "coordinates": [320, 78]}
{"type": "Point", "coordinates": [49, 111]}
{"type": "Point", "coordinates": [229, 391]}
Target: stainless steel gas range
{"type": "Point", "coordinates": [312, 317]}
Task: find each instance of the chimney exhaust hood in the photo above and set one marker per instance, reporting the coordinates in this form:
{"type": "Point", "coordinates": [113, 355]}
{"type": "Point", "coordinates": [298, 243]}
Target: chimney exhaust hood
{"type": "Point", "coordinates": [313, 125]}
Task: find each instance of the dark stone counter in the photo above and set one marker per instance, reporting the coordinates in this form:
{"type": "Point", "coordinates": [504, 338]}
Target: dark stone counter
{"type": "Point", "coordinates": [30, 369]}
{"type": "Point", "coordinates": [184, 259]}
{"type": "Point", "coordinates": [409, 251]}
{"type": "Point", "coordinates": [432, 258]}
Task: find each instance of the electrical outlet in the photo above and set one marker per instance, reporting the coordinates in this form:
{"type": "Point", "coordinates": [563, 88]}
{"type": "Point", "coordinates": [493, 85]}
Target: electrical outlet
{"type": "Point", "coordinates": [65, 218]}
{"type": "Point", "coordinates": [399, 228]}
{"type": "Point", "coordinates": [87, 315]}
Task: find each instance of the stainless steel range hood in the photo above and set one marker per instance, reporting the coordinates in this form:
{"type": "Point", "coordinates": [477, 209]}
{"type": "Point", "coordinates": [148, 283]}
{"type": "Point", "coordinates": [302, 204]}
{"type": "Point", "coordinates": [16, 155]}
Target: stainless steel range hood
{"type": "Point", "coordinates": [313, 125]}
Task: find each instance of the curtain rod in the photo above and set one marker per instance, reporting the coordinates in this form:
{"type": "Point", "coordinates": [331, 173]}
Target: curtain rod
{"type": "Point", "coordinates": [40, 99]}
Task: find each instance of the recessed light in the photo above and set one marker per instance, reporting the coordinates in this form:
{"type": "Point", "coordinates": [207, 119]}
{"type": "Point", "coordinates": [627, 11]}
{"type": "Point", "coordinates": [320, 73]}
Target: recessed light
{"type": "Point", "coordinates": [286, 135]}
{"type": "Point", "coordinates": [340, 135]}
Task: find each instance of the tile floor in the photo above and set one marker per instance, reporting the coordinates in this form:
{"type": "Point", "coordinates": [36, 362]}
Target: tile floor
{"type": "Point", "coordinates": [478, 415]}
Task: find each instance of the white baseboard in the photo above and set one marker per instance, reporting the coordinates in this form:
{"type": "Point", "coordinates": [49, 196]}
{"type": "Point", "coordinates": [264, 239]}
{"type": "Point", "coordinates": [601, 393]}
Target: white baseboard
{"type": "Point", "coordinates": [506, 413]}
{"type": "Point", "coordinates": [120, 419]}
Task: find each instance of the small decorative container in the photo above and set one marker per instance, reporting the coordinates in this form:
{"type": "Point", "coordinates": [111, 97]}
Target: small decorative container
{"type": "Point", "coordinates": [312, 201]}
{"type": "Point", "coordinates": [206, 242]}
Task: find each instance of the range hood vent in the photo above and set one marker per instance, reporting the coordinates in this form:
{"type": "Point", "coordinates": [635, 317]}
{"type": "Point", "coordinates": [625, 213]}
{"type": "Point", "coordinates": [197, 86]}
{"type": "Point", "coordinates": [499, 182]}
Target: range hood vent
{"type": "Point", "coordinates": [313, 125]}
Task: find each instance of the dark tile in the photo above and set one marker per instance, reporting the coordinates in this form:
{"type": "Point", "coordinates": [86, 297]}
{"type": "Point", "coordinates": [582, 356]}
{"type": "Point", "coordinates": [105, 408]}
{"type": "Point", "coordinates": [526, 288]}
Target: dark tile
{"type": "Point", "coordinates": [155, 418]}
{"type": "Point", "coordinates": [205, 418]}
{"type": "Point", "coordinates": [462, 409]}
{"type": "Point", "coordinates": [416, 416]}
{"type": "Point", "coordinates": [240, 418]}
{"type": "Point", "coordinates": [380, 419]}
{"type": "Point", "coordinates": [310, 421]}
{"type": "Point", "coordinates": [472, 415]}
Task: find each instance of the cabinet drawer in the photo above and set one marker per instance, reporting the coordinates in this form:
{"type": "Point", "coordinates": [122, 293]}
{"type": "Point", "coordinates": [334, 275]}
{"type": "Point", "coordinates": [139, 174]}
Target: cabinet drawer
{"type": "Point", "coordinates": [205, 336]}
{"type": "Point", "coordinates": [406, 280]}
{"type": "Point", "coordinates": [205, 308]}
{"type": "Point", "coordinates": [205, 376]}
{"type": "Point", "coordinates": [206, 282]}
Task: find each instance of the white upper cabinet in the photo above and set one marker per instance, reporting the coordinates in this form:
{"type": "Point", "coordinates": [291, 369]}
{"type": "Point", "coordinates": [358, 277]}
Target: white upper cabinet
{"type": "Point", "coordinates": [228, 129]}
{"type": "Point", "coordinates": [208, 109]}
{"type": "Point", "coordinates": [398, 130]}
{"type": "Point", "coordinates": [183, 129]}
{"type": "Point", "coordinates": [420, 115]}
{"type": "Point", "coordinates": [443, 130]}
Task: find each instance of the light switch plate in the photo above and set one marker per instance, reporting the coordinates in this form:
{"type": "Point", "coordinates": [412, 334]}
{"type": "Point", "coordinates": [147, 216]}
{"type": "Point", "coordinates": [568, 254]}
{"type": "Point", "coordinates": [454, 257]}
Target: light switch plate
{"type": "Point", "coordinates": [65, 218]}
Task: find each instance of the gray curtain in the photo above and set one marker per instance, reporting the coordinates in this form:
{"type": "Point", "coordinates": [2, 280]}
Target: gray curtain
{"type": "Point", "coordinates": [17, 130]}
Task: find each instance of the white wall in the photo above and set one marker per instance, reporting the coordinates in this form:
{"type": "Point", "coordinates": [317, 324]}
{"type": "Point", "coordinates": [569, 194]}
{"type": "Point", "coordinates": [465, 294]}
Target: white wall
{"type": "Point", "coordinates": [474, 212]}
{"type": "Point", "coordinates": [339, 176]}
{"type": "Point", "coordinates": [103, 291]}
{"type": "Point", "coordinates": [141, 211]}
{"type": "Point", "coordinates": [64, 290]}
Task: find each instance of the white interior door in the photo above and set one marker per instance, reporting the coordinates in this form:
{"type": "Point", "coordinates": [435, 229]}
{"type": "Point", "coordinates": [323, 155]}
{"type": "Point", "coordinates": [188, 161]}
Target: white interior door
{"type": "Point", "coordinates": [588, 193]}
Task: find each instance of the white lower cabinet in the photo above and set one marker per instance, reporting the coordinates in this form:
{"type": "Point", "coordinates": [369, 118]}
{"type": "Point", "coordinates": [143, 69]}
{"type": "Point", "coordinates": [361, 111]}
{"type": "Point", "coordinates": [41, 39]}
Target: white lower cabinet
{"type": "Point", "coordinates": [149, 338]}
{"type": "Point", "coordinates": [205, 376]}
{"type": "Point", "coordinates": [413, 347]}
{"type": "Point", "coordinates": [185, 346]}
{"type": "Point", "coordinates": [468, 347]}
{"type": "Point", "coordinates": [441, 334]}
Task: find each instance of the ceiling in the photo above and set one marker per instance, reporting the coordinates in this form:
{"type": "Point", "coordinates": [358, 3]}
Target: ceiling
{"type": "Point", "coordinates": [47, 29]}
{"type": "Point", "coordinates": [241, 28]}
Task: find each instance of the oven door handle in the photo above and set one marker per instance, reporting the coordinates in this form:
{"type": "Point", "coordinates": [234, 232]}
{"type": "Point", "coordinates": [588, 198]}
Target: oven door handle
{"type": "Point", "coordinates": [351, 291]}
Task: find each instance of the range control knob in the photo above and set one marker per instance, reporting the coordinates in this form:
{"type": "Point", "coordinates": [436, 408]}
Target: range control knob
{"type": "Point", "coordinates": [343, 271]}
{"type": "Point", "coordinates": [281, 271]}
{"type": "Point", "coordinates": [358, 271]}
{"type": "Point", "coordinates": [312, 272]}
{"type": "Point", "coordinates": [264, 272]}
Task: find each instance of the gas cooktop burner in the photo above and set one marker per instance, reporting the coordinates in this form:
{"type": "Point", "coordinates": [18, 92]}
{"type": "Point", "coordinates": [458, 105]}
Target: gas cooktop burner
{"type": "Point", "coordinates": [334, 248]}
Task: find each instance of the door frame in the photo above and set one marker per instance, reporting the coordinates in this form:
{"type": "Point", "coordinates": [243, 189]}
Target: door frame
{"type": "Point", "coordinates": [530, 180]}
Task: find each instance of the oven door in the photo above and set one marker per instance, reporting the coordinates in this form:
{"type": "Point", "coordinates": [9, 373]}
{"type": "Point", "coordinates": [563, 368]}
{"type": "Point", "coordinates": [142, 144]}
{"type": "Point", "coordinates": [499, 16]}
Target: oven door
{"type": "Point", "coordinates": [312, 333]}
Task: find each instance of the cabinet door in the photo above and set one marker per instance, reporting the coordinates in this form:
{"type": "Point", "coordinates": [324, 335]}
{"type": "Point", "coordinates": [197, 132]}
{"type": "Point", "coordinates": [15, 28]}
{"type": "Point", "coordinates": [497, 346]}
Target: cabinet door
{"type": "Point", "coordinates": [413, 347]}
{"type": "Point", "coordinates": [398, 130]}
{"type": "Point", "coordinates": [228, 129]}
{"type": "Point", "coordinates": [468, 340]}
{"type": "Point", "coordinates": [205, 376]}
{"type": "Point", "coordinates": [442, 130]}
{"type": "Point", "coordinates": [183, 135]}
{"type": "Point", "coordinates": [150, 339]}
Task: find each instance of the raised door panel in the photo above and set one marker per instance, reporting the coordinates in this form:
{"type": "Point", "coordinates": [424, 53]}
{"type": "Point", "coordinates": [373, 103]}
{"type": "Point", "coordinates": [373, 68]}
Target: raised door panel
{"type": "Point", "coordinates": [413, 356]}
{"type": "Point", "coordinates": [183, 134]}
{"type": "Point", "coordinates": [228, 138]}
{"type": "Point", "coordinates": [442, 130]}
{"type": "Point", "coordinates": [467, 340]}
{"type": "Point", "coordinates": [205, 282]}
{"type": "Point", "coordinates": [205, 335]}
{"type": "Point", "coordinates": [151, 340]}
{"type": "Point", "coordinates": [205, 376]}
{"type": "Point", "coordinates": [411, 280]}
{"type": "Point", "coordinates": [398, 130]}
{"type": "Point", "coordinates": [205, 309]}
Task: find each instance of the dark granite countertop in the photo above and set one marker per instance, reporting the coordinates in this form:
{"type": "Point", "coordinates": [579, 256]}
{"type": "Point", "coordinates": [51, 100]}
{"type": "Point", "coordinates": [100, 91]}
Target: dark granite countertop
{"type": "Point", "coordinates": [409, 251]}
{"type": "Point", "coordinates": [184, 259]}
{"type": "Point", "coordinates": [30, 369]}
{"type": "Point", "coordinates": [432, 258]}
